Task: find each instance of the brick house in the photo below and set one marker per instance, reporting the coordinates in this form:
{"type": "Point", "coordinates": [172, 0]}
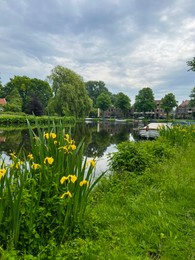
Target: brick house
{"type": "Point", "coordinates": [184, 110]}
{"type": "Point", "coordinates": [2, 103]}
{"type": "Point", "coordinates": [158, 111]}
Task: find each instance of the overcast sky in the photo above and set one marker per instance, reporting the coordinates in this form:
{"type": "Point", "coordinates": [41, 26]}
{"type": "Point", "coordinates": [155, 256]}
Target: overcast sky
{"type": "Point", "coordinates": [128, 44]}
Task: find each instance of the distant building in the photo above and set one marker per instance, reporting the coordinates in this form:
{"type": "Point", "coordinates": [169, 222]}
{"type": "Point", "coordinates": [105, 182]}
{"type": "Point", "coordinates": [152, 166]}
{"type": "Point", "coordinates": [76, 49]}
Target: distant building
{"type": "Point", "coordinates": [2, 103]}
{"type": "Point", "coordinates": [159, 113]}
{"type": "Point", "coordinates": [111, 113]}
{"type": "Point", "coordinates": [184, 110]}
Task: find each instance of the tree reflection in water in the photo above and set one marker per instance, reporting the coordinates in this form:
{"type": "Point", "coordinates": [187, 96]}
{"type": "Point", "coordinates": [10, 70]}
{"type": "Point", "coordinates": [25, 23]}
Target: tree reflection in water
{"type": "Point", "coordinates": [100, 139]}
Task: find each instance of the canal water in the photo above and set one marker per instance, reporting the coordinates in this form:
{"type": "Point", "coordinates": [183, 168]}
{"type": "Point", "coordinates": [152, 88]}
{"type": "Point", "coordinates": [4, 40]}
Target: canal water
{"type": "Point", "coordinates": [100, 138]}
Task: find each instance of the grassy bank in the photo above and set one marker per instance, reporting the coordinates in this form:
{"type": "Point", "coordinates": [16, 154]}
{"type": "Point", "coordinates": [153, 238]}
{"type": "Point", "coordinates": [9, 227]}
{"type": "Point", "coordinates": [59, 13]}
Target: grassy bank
{"type": "Point", "coordinates": [21, 120]}
{"type": "Point", "coordinates": [148, 216]}
{"type": "Point", "coordinates": [145, 214]}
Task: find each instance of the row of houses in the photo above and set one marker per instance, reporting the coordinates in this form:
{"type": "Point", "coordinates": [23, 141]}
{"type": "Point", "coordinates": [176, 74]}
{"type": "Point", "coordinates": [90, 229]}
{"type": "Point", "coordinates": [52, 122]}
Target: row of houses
{"type": "Point", "coordinates": [183, 111]}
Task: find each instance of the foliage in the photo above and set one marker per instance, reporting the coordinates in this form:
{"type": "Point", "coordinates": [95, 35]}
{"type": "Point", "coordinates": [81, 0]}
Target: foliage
{"type": "Point", "coordinates": [12, 119]}
{"type": "Point", "coordinates": [41, 90]}
{"type": "Point", "coordinates": [14, 101]}
{"type": "Point", "coordinates": [103, 101]}
{"type": "Point", "coordinates": [148, 216]}
{"type": "Point", "coordinates": [193, 114]}
{"type": "Point", "coordinates": [94, 89]}
{"type": "Point", "coordinates": [35, 107]}
{"type": "Point", "coordinates": [168, 103]}
{"type": "Point", "coordinates": [26, 88]}
{"type": "Point", "coordinates": [70, 96]}
{"type": "Point", "coordinates": [44, 194]}
{"type": "Point", "coordinates": [191, 64]}
{"type": "Point", "coordinates": [192, 98]}
{"type": "Point", "coordinates": [136, 157]}
{"type": "Point", "coordinates": [122, 102]}
{"type": "Point", "coordinates": [144, 101]}
{"type": "Point", "coordinates": [178, 135]}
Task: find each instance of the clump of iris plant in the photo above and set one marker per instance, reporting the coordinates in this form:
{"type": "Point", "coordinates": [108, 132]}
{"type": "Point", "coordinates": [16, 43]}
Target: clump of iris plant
{"type": "Point", "coordinates": [44, 192]}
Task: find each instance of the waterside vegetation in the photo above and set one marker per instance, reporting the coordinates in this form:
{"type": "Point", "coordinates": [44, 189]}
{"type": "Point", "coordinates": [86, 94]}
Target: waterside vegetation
{"type": "Point", "coordinates": [21, 120]}
{"type": "Point", "coordinates": [144, 209]}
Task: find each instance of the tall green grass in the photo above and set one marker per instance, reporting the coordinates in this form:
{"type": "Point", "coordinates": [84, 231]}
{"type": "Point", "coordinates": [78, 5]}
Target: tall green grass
{"type": "Point", "coordinates": [178, 135]}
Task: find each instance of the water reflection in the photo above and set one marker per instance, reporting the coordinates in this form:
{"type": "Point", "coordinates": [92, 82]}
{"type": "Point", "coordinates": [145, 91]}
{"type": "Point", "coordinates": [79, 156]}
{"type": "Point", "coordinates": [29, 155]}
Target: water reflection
{"type": "Point", "coordinates": [100, 139]}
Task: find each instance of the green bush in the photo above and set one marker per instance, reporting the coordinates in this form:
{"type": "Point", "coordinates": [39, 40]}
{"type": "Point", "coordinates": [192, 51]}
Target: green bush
{"type": "Point", "coordinates": [137, 156]}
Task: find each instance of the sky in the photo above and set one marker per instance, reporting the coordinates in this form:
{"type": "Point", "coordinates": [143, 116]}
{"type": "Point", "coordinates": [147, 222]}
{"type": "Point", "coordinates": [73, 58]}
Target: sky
{"type": "Point", "coordinates": [127, 44]}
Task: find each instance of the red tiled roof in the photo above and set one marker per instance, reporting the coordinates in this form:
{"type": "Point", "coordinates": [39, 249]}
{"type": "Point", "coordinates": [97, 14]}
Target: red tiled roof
{"type": "Point", "coordinates": [184, 103]}
{"type": "Point", "coordinates": [2, 101]}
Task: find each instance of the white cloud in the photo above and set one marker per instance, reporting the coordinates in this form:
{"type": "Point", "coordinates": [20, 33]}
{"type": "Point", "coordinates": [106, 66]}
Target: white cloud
{"type": "Point", "coordinates": [126, 44]}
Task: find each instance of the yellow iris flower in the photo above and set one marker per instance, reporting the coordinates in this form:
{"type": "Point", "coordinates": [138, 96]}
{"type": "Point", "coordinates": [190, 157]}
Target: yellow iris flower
{"type": "Point", "coordinates": [35, 166]}
{"type": "Point", "coordinates": [49, 160]}
{"type": "Point", "coordinates": [63, 179]}
{"type": "Point", "coordinates": [30, 156]}
{"type": "Point", "coordinates": [50, 135]}
{"type": "Point", "coordinates": [46, 135]}
{"type": "Point", "coordinates": [91, 163]}
{"type": "Point", "coordinates": [2, 173]}
{"type": "Point", "coordinates": [68, 193]}
{"type": "Point", "coordinates": [84, 182]}
{"type": "Point", "coordinates": [71, 178]}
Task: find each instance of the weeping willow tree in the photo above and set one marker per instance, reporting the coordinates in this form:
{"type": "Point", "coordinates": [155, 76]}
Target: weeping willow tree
{"type": "Point", "coordinates": [70, 95]}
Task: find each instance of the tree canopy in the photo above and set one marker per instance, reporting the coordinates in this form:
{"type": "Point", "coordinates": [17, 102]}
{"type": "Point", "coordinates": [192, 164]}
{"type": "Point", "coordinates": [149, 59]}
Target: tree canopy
{"type": "Point", "coordinates": [15, 101]}
{"type": "Point", "coordinates": [191, 64]}
{"type": "Point", "coordinates": [70, 95]}
{"type": "Point", "coordinates": [94, 89]}
{"type": "Point", "coordinates": [122, 102]}
{"type": "Point", "coordinates": [104, 101]}
{"type": "Point", "coordinates": [192, 97]}
{"type": "Point", "coordinates": [168, 103]}
{"type": "Point", "coordinates": [27, 88]}
{"type": "Point", "coordinates": [144, 101]}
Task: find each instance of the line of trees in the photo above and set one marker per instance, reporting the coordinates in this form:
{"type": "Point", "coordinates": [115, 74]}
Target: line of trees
{"type": "Point", "coordinates": [64, 93]}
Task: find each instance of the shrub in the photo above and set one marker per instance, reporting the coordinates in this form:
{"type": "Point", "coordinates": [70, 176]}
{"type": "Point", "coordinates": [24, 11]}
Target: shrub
{"type": "Point", "coordinates": [136, 157]}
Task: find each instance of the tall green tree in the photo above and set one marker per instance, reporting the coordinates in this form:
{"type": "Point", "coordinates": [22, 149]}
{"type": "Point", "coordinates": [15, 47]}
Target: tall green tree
{"type": "Point", "coordinates": [14, 101]}
{"type": "Point", "coordinates": [104, 101]}
{"type": "Point", "coordinates": [41, 90]}
{"type": "Point", "coordinates": [27, 88]}
{"type": "Point", "coordinates": [122, 102]}
{"type": "Point", "coordinates": [94, 89]}
{"type": "Point", "coordinates": [21, 83]}
{"type": "Point", "coordinates": [144, 101]}
{"type": "Point", "coordinates": [70, 95]}
{"type": "Point", "coordinates": [192, 97]}
{"type": "Point", "coordinates": [35, 106]}
{"type": "Point", "coordinates": [191, 64]}
{"type": "Point", "coordinates": [168, 103]}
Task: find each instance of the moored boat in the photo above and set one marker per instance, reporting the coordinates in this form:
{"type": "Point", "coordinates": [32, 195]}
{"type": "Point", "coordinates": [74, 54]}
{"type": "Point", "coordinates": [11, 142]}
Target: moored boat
{"type": "Point", "coordinates": [152, 130]}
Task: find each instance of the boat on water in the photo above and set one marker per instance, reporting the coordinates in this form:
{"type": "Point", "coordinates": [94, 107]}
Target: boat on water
{"type": "Point", "coordinates": [152, 130]}
{"type": "Point", "coordinates": [120, 120]}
